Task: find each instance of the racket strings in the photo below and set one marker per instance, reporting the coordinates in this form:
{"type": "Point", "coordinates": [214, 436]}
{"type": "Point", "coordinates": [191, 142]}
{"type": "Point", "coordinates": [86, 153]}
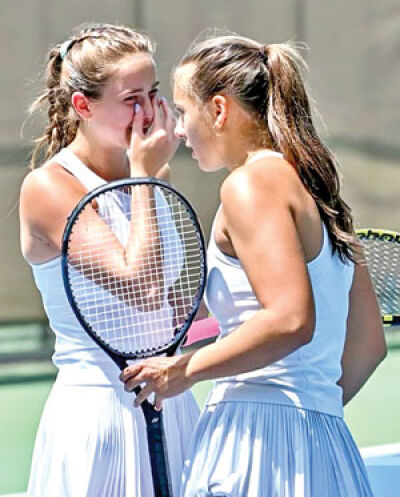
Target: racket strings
{"type": "Point", "coordinates": [137, 309]}
{"type": "Point", "coordinates": [383, 260]}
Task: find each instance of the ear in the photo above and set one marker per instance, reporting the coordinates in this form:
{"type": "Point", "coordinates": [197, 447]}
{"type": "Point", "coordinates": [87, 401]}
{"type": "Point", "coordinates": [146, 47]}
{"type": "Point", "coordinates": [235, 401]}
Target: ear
{"type": "Point", "coordinates": [219, 106]}
{"type": "Point", "coordinates": [81, 105]}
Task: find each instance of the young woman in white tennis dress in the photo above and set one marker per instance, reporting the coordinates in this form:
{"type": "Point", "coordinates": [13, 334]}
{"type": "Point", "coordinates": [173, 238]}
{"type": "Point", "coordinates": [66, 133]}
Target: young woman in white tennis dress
{"type": "Point", "coordinates": [300, 324]}
{"type": "Point", "coordinates": [106, 122]}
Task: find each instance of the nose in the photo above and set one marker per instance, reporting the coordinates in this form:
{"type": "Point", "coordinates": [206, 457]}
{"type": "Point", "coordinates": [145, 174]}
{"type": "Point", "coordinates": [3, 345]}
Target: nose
{"type": "Point", "coordinates": [179, 131]}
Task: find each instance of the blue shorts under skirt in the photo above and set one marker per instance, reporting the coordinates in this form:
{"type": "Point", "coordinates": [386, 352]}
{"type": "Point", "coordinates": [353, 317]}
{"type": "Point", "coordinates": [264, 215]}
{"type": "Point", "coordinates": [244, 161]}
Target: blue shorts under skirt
{"type": "Point", "coordinates": [251, 449]}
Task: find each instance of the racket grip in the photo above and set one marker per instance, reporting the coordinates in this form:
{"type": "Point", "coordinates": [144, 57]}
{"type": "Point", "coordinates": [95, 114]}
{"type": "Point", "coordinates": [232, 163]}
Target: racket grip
{"type": "Point", "coordinates": [157, 451]}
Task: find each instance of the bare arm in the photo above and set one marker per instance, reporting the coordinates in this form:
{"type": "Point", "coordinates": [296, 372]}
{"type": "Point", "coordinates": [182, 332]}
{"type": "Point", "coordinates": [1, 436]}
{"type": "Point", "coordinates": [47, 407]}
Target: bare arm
{"type": "Point", "coordinates": [261, 226]}
{"type": "Point", "coordinates": [164, 173]}
{"type": "Point", "coordinates": [365, 345]}
{"type": "Point", "coordinates": [49, 194]}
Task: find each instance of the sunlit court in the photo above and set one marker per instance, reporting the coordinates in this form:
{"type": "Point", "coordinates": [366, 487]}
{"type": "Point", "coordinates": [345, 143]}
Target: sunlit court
{"type": "Point", "coordinates": [24, 386]}
{"type": "Point", "coordinates": [134, 287]}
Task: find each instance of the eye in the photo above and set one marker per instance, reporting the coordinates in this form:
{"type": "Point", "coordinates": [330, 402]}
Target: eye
{"type": "Point", "coordinates": [131, 99]}
{"type": "Point", "coordinates": [178, 112]}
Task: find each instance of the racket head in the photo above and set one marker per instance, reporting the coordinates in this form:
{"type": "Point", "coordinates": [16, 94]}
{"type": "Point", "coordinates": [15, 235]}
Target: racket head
{"type": "Point", "coordinates": [104, 313]}
{"type": "Point", "coordinates": [382, 253]}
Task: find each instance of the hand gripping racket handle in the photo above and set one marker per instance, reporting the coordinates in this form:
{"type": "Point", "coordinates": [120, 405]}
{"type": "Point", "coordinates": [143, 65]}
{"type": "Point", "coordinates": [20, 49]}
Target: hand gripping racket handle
{"type": "Point", "coordinates": [158, 453]}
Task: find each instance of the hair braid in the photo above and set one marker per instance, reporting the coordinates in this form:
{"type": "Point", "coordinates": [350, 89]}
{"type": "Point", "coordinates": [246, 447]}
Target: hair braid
{"type": "Point", "coordinates": [86, 65]}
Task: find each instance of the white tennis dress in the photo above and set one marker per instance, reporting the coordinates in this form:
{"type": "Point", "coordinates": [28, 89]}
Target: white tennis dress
{"type": "Point", "coordinates": [91, 441]}
{"type": "Point", "coordinates": [278, 431]}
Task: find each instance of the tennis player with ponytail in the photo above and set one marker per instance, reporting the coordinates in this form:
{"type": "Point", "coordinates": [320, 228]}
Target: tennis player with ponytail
{"type": "Point", "coordinates": [106, 122]}
{"type": "Point", "coordinates": [300, 325]}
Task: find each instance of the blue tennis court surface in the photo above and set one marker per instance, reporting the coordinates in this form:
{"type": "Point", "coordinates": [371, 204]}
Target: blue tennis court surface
{"type": "Point", "coordinates": [383, 466]}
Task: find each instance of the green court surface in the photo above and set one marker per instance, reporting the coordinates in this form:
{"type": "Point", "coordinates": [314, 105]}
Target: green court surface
{"type": "Point", "coordinates": [372, 416]}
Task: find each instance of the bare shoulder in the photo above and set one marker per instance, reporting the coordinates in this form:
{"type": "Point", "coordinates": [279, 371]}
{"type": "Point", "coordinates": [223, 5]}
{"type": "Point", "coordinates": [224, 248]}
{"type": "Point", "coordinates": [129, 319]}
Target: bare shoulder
{"type": "Point", "coordinates": [49, 187]}
{"type": "Point", "coordinates": [48, 195]}
{"type": "Point", "coordinates": [266, 180]}
{"type": "Point", "coordinates": [50, 178]}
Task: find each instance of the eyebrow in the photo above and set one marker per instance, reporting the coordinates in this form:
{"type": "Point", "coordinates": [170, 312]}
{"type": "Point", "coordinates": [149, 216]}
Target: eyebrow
{"type": "Point", "coordinates": [138, 90]}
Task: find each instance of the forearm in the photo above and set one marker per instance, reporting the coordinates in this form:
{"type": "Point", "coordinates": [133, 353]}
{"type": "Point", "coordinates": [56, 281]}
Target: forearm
{"type": "Point", "coordinates": [164, 173]}
{"type": "Point", "coordinates": [144, 243]}
{"type": "Point", "coordinates": [143, 257]}
{"type": "Point", "coordinates": [357, 369]}
{"type": "Point", "coordinates": [260, 341]}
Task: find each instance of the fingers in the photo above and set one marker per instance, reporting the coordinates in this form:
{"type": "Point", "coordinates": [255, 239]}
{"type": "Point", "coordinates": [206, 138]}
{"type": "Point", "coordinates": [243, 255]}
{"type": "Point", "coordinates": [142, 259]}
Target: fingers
{"type": "Point", "coordinates": [138, 120]}
{"type": "Point", "coordinates": [170, 124]}
{"type": "Point", "coordinates": [163, 116]}
{"type": "Point", "coordinates": [170, 120]}
{"type": "Point", "coordinates": [133, 376]}
{"type": "Point", "coordinates": [130, 372]}
{"type": "Point", "coordinates": [142, 396]}
{"type": "Point", "coordinates": [162, 376]}
{"type": "Point", "coordinates": [150, 150]}
{"type": "Point", "coordinates": [158, 114]}
{"type": "Point", "coordinates": [158, 404]}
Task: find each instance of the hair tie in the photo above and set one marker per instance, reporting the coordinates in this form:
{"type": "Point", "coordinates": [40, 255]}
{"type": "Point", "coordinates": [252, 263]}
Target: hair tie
{"type": "Point", "coordinates": [65, 47]}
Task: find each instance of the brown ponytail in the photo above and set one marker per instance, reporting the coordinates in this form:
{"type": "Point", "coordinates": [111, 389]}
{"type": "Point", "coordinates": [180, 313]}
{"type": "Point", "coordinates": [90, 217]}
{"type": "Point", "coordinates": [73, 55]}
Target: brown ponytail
{"type": "Point", "coordinates": [266, 80]}
{"type": "Point", "coordinates": [294, 135]}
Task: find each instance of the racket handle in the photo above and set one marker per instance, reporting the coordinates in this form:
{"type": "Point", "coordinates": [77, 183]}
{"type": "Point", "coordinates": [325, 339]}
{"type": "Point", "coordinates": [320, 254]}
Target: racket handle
{"type": "Point", "coordinates": [157, 450]}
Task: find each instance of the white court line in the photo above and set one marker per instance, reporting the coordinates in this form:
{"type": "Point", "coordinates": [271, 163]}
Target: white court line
{"type": "Point", "coordinates": [381, 450]}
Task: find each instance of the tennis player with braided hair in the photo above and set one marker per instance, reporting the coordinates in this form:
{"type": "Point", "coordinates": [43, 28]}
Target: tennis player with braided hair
{"type": "Point", "coordinates": [106, 121]}
{"type": "Point", "coordinates": [300, 325]}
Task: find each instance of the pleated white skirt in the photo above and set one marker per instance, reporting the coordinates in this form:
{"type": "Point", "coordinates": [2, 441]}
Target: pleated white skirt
{"type": "Point", "coordinates": [92, 442]}
{"type": "Point", "coordinates": [251, 449]}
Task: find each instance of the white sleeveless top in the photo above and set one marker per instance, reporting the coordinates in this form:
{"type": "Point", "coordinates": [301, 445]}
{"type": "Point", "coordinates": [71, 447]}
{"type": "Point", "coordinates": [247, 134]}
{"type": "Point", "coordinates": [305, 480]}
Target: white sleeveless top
{"type": "Point", "coordinates": [307, 377]}
{"type": "Point", "coordinates": [79, 360]}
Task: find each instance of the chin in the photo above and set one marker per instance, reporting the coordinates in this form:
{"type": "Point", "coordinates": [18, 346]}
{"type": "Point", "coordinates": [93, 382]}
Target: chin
{"type": "Point", "coordinates": [211, 168]}
{"type": "Point", "coordinates": [208, 166]}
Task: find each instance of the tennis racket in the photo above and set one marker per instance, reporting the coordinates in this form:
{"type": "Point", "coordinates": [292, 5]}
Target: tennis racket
{"type": "Point", "coordinates": [382, 253]}
{"type": "Point", "coordinates": [134, 270]}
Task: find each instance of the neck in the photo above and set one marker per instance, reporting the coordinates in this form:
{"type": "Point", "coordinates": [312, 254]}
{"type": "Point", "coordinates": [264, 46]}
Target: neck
{"type": "Point", "coordinates": [108, 163]}
{"type": "Point", "coordinates": [238, 145]}
{"type": "Point", "coordinates": [240, 154]}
